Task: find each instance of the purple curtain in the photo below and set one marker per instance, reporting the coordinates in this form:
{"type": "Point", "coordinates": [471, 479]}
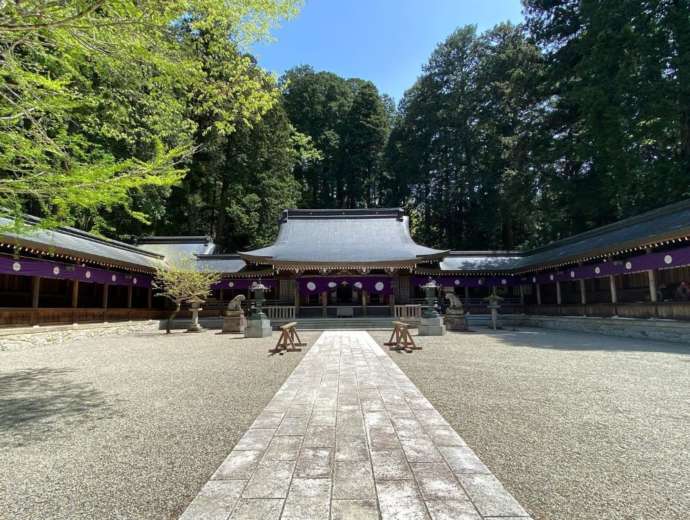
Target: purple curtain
{"type": "Point", "coordinates": [48, 269]}
{"type": "Point", "coordinates": [244, 283]}
{"type": "Point", "coordinates": [319, 284]}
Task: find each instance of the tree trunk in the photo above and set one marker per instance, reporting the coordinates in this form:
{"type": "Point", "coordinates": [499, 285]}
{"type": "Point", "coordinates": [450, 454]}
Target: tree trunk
{"type": "Point", "coordinates": [168, 324]}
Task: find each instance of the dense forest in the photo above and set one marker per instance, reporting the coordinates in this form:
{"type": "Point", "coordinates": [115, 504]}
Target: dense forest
{"type": "Point", "coordinates": [509, 138]}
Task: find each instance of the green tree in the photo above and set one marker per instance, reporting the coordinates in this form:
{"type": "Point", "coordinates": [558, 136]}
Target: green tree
{"type": "Point", "coordinates": [348, 122]}
{"type": "Point", "coordinates": [459, 153]}
{"type": "Point", "coordinates": [94, 97]}
{"type": "Point", "coordinates": [618, 92]}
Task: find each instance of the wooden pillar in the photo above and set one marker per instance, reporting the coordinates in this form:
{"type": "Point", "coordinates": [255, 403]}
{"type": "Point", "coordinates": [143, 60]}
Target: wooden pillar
{"type": "Point", "coordinates": [324, 303]}
{"type": "Point", "coordinates": [522, 294]}
{"type": "Point", "coordinates": [559, 299]}
{"type": "Point", "coordinates": [35, 291]}
{"type": "Point", "coordinates": [391, 299]}
{"type": "Point", "coordinates": [652, 285]}
{"type": "Point", "coordinates": [149, 298]}
{"type": "Point", "coordinates": [222, 295]}
{"type": "Point", "coordinates": [612, 285]}
{"type": "Point", "coordinates": [75, 294]}
{"type": "Point", "coordinates": [130, 291]}
{"type": "Point", "coordinates": [296, 302]}
{"type": "Point", "coordinates": [467, 292]}
{"type": "Point", "coordinates": [364, 302]}
{"type": "Point", "coordinates": [583, 292]}
{"type": "Point", "coordinates": [104, 302]}
{"type": "Point", "coordinates": [538, 294]}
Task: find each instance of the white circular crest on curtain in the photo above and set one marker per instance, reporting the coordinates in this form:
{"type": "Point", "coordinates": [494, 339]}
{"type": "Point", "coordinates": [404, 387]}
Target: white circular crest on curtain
{"type": "Point", "coordinates": [534, 279]}
{"type": "Point", "coordinates": [231, 284]}
{"type": "Point", "coordinates": [379, 286]}
{"type": "Point", "coordinates": [551, 277]}
{"type": "Point", "coordinates": [358, 285]}
{"type": "Point", "coordinates": [134, 281]}
{"type": "Point", "coordinates": [113, 278]}
{"type": "Point", "coordinates": [56, 270]}
{"type": "Point", "coordinates": [668, 259]}
{"type": "Point", "coordinates": [87, 274]}
{"type": "Point", "coordinates": [331, 284]}
{"type": "Point", "coordinates": [628, 265]}
{"type": "Point", "coordinates": [504, 281]}
{"type": "Point", "coordinates": [457, 282]}
{"type": "Point", "coordinates": [481, 281]}
{"type": "Point", "coordinates": [311, 286]}
{"type": "Point", "coordinates": [16, 266]}
{"type": "Point", "coordinates": [572, 274]}
{"type": "Point", "coordinates": [597, 270]}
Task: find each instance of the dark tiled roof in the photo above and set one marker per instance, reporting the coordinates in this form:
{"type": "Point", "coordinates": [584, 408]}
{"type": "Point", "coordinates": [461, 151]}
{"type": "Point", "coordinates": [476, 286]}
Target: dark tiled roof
{"type": "Point", "coordinates": [67, 241]}
{"type": "Point", "coordinates": [220, 263]}
{"type": "Point", "coordinates": [666, 223]}
{"type": "Point", "coordinates": [177, 246]}
{"type": "Point", "coordinates": [663, 224]}
{"type": "Point", "coordinates": [482, 261]}
{"type": "Point", "coordinates": [358, 236]}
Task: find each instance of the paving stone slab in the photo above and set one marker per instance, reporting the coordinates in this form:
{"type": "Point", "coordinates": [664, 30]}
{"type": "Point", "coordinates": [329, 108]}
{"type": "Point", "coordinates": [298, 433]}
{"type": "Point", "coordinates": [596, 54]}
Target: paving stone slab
{"type": "Point", "coordinates": [215, 500]}
{"type": "Point", "coordinates": [284, 447]}
{"type": "Point", "coordinates": [314, 463]}
{"type": "Point", "coordinates": [349, 436]}
{"type": "Point", "coordinates": [239, 465]}
{"type": "Point", "coordinates": [354, 510]}
{"type": "Point", "coordinates": [308, 498]}
{"type": "Point", "coordinates": [258, 509]}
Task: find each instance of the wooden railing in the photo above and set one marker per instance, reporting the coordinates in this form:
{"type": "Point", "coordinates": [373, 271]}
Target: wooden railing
{"type": "Point", "coordinates": [280, 312]}
{"type": "Point", "coordinates": [408, 312]}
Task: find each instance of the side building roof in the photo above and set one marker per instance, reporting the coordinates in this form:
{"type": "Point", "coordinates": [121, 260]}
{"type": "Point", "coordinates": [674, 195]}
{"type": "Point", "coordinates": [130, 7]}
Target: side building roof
{"type": "Point", "coordinates": [177, 246]}
{"type": "Point", "coordinates": [74, 244]}
{"type": "Point", "coordinates": [343, 238]}
{"type": "Point", "coordinates": [646, 230]}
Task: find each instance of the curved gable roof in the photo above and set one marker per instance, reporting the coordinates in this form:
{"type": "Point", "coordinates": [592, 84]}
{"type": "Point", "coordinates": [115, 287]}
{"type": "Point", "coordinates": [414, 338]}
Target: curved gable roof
{"type": "Point", "coordinates": [343, 237]}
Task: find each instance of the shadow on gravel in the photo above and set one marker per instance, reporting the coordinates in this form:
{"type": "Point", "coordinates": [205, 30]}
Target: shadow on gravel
{"type": "Point", "coordinates": [42, 402]}
{"type": "Point", "coordinates": [567, 340]}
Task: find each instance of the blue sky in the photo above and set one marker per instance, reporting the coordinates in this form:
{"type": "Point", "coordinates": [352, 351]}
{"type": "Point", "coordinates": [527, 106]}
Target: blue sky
{"type": "Point", "coordinates": [385, 41]}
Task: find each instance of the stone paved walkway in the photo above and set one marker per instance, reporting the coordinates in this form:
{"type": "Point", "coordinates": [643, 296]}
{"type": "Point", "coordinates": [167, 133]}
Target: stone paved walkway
{"type": "Point", "coordinates": [349, 436]}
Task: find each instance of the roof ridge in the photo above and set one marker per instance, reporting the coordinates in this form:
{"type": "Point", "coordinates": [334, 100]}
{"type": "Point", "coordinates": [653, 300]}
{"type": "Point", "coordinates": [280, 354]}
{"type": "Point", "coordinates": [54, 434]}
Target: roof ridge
{"type": "Point", "coordinates": [67, 230]}
{"type": "Point", "coordinates": [619, 224]}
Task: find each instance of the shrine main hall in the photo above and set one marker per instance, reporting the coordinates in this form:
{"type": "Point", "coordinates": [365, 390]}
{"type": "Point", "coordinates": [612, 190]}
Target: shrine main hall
{"type": "Point", "coordinates": [355, 263]}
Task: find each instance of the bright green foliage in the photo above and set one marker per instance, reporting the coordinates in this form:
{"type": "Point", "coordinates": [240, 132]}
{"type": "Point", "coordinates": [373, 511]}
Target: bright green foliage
{"type": "Point", "coordinates": [98, 99]}
{"type": "Point", "coordinates": [460, 152]}
{"type": "Point", "coordinates": [239, 184]}
{"type": "Point", "coordinates": [181, 282]}
{"type": "Point", "coordinates": [618, 90]}
{"type": "Point", "coordinates": [348, 122]}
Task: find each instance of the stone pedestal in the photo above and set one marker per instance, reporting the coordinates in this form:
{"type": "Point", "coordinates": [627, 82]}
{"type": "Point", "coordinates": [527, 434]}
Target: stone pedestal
{"type": "Point", "coordinates": [195, 326]}
{"type": "Point", "coordinates": [234, 322]}
{"type": "Point", "coordinates": [455, 320]}
{"type": "Point", "coordinates": [258, 328]}
{"type": "Point", "coordinates": [431, 327]}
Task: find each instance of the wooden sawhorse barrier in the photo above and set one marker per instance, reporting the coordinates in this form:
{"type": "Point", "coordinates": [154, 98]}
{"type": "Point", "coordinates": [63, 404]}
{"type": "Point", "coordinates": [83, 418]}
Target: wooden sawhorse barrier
{"type": "Point", "coordinates": [401, 338]}
{"type": "Point", "coordinates": [286, 341]}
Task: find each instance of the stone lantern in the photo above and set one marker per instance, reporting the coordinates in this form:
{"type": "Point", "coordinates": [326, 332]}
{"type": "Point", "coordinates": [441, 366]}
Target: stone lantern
{"type": "Point", "coordinates": [429, 310]}
{"type": "Point", "coordinates": [195, 326]}
{"type": "Point", "coordinates": [431, 323]}
{"type": "Point", "coordinates": [258, 324]}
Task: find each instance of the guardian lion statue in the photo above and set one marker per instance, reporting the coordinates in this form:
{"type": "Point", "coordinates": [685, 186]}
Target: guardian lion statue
{"type": "Point", "coordinates": [455, 302]}
{"type": "Point", "coordinates": [236, 303]}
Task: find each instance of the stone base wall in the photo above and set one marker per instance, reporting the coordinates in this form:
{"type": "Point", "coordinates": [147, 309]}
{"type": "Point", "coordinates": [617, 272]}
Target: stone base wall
{"type": "Point", "coordinates": [664, 330]}
{"type": "Point", "coordinates": [18, 338]}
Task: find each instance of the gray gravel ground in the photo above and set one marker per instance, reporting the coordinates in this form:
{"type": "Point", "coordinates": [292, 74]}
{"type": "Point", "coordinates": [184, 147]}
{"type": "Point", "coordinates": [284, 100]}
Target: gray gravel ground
{"type": "Point", "coordinates": [126, 427]}
{"type": "Point", "coordinates": [576, 426]}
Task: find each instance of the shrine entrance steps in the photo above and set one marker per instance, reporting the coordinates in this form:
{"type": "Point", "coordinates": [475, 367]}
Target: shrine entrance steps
{"type": "Point", "coordinates": [357, 323]}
